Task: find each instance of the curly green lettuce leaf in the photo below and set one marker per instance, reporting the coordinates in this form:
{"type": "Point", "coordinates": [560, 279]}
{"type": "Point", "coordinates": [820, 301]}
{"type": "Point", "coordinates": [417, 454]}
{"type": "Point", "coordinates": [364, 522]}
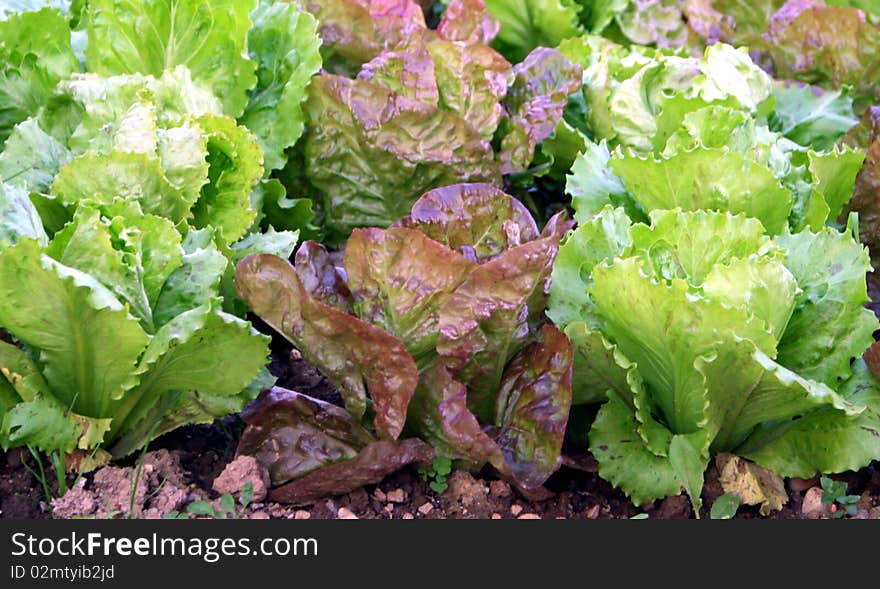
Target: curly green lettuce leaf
{"type": "Point", "coordinates": [603, 237]}
{"type": "Point", "coordinates": [235, 167]}
{"type": "Point", "coordinates": [829, 326]}
{"type": "Point", "coordinates": [528, 24]}
{"type": "Point", "coordinates": [824, 441]}
{"type": "Point", "coordinates": [654, 22]}
{"type": "Point", "coordinates": [195, 281]}
{"type": "Point", "coordinates": [208, 37]}
{"type": "Point", "coordinates": [36, 54]}
{"type": "Point", "coordinates": [132, 176]}
{"type": "Point", "coordinates": [706, 178]}
{"type": "Point", "coordinates": [87, 244]}
{"type": "Point", "coordinates": [31, 158]}
{"type": "Point", "coordinates": [356, 356]}
{"type": "Point", "coordinates": [284, 43]}
{"type": "Point", "coordinates": [811, 116]}
{"type": "Point", "coordinates": [592, 185]}
{"type": "Point", "coordinates": [191, 352]}
{"type": "Point", "coordinates": [89, 349]}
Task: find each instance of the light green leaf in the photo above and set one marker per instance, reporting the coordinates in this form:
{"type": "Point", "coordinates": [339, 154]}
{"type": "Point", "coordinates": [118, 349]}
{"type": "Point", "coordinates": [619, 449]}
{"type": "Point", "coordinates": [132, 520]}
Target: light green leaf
{"type": "Point", "coordinates": [18, 216]}
{"type": "Point", "coordinates": [131, 176]}
{"type": "Point", "coordinates": [527, 24]}
{"type": "Point", "coordinates": [711, 179]}
{"type": "Point", "coordinates": [36, 54]}
{"type": "Point", "coordinates": [810, 116]}
{"type": "Point", "coordinates": [148, 37]}
{"type": "Point", "coordinates": [600, 238]}
{"type": "Point", "coordinates": [31, 158]}
{"type": "Point", "coordinates": [191, 285]}
{"type": "Point", "coordinates": [624, 459]}
{"type": "Point", "coordinates": [88, 342]}
{"type": "Point", "coordinates": [284, 43]}
{"type": "Point", "coordinates": [236, 165]}
{"type": "Point", "coordinates": [824, 441]}
{"type": "Point", "coordinates": [829, 326]}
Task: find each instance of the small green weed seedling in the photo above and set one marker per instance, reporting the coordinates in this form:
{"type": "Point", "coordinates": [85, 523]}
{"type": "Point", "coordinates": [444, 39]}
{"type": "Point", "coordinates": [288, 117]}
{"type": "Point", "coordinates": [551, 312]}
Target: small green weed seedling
{"type": "Point", "coordinates": [228, 509]}
{"type": "Point", "coordinates": [440, 468]}
{"type": "Point", "coordinates": [834, 495]}
{"type": "Point", "coordinates": [725, 506]}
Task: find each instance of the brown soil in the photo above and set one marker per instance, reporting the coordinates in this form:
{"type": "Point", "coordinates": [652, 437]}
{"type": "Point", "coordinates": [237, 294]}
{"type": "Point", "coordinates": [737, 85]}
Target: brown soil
{"type": "Point", "coordinates": [182, 468]}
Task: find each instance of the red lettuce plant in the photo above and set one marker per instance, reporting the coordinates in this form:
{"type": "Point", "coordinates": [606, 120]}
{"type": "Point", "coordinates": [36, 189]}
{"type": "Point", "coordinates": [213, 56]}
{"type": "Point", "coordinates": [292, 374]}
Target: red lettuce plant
{"type": "Point", "coordinates": [433, 331]}
{"type": "Point", "coordinates": [426, 108]}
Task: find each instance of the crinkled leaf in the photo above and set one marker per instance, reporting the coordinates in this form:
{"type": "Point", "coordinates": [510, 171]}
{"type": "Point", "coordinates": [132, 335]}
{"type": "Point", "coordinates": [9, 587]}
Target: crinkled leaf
{"type": "Point", "coordinates": [439, 415]}
{"type": "Point", "coordinates": [148, 37]}
{"type": "Point", "coordinates": [283, 42]}
{"type": "Point", "coordinates": [323, 276]}
{"type": "Point", "coordinates": [356, 356]}
{"type": "Point", "coordinates": [195, 282]}
{"type": "Point", "coordinates": [605, 236]}
{"type": "Point", "coordinates": [408, 71]}
{"type": "Point", "coordinates": [471, 80]}
{"type": "Point", "coordinates": [468, 21]}
{"type": "Point", "coordinates": [829, 326]}
{"type": "Point", "coordinates": [478, 220]}
{"type": "Point", "coordinates": [400, 280]}
{"type": "Point", "coordinates": [131, 176]}
{"type": "Point", "coordinates": [36, 54]}
{"type": "Point", "coordinates": [31, 158]}
{"type": "Point", "coordinates": [624, 459]}
{"type": "Point", "coordinates": [824, 441]}
{"type": "Point", "coordinates": [534, 103]}
{"type": "Point", "coordinates": [527, 24]}
{"type": "Point", "coordinates": [654, 22]}
{"type": "Point", "coordinates": [593, 185]}
{"type": "Point", "coordinates": [87, 244]}
{"type": "Point", "coordinates": [826, 45]}
{"type": "Point", "coordinates": [192, 352]}
{"type": "Point", "coordinates": [712, 179]}
{"type": "Point", "coordinates": [235, 166]}
{"type": "Point", "coordinates": [811, 116]}
{"type": "Point", "coordinates": [370, 153]}
{"type": "Point", "coordinates": [292, 434]}
{"type": "Point", "coordinates": [532, 408]}
{"type": "Point", "coordinates": [492, 314]}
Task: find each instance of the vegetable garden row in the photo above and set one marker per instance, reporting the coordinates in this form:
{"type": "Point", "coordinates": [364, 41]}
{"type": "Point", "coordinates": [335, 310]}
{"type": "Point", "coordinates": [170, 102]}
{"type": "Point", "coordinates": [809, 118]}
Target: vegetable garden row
{"type": "Point", "coordinates": [471, 217]}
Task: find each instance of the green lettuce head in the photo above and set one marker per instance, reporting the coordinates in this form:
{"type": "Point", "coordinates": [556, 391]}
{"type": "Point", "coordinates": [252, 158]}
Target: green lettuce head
{"type": "Point", "coordinates": [706, 335]}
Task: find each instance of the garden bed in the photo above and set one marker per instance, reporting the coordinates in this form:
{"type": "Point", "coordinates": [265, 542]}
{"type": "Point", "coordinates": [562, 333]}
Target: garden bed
{"type": "Point", "coordinates": [180, 468]}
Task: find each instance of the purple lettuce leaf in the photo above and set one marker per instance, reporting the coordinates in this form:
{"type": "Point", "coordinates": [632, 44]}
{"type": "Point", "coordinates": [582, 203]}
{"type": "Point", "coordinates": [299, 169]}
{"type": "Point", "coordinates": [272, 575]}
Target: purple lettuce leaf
{"type": "Point", "coordinates": [468, 21]}
{"type": "Point", "coordinates": [532, 408]}
{"type": "Point", "coordinates": [829, 46]}
{"type": "Point", "coordinates": [400, 279]}
{"type": "Point", "coordinates": [322, 275]}
{"type": "Point", "coordinates": [494, 313]}
{"type": "Point", "coordinates": [478, 220]}
{"type": "Point", "coordinates": [313, 449]}
{"type": "Point", "coordinates": [535, 102]}
{"type": "Point", "coordinates": [370, 153]}
{"type": "Point", "coordinates": [355, 356]}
